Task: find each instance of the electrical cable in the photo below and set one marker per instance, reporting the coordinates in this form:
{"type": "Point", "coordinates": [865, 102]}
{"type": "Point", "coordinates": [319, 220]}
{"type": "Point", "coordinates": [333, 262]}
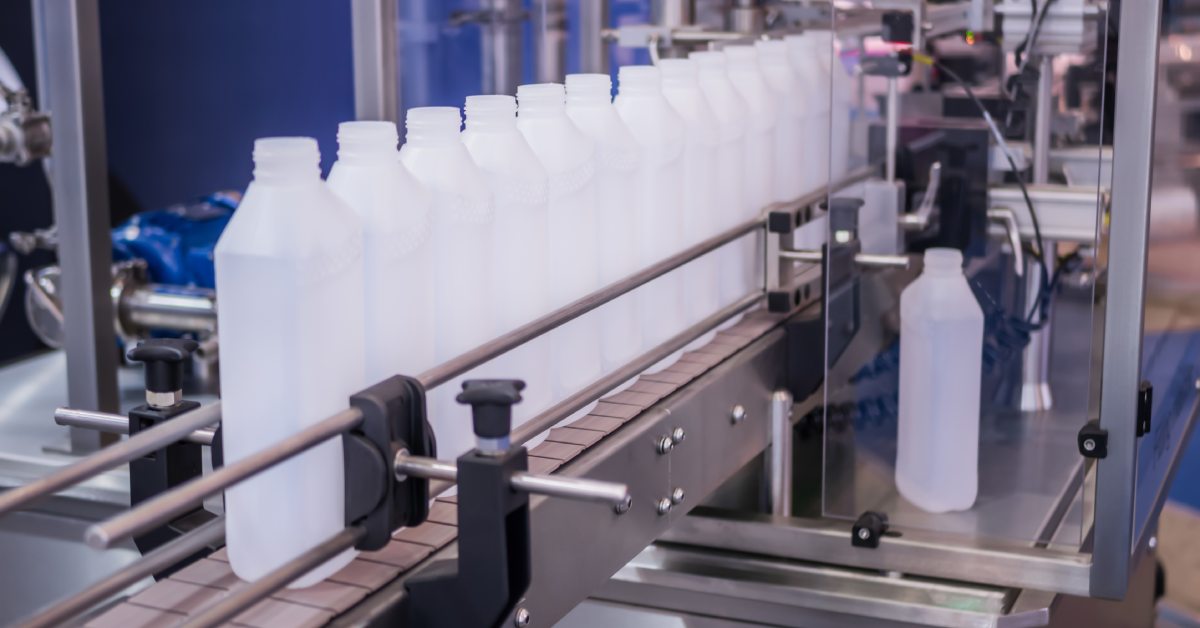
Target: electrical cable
{"type": "Point", "coordinates": [1038, 308]}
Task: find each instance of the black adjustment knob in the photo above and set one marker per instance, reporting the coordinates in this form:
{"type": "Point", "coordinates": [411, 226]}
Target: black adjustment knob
{"type": "Point", "coordinates": [491, 402]}
{"type": "Point", "coordinates": [898, 27]}
{"type": "Point", "coordinates": [164, 359]}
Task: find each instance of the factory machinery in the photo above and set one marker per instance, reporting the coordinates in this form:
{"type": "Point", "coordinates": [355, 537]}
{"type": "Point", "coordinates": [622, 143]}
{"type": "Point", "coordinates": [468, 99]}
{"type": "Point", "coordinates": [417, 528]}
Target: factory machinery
{"type": "Point", "coordinates": [750, 481]}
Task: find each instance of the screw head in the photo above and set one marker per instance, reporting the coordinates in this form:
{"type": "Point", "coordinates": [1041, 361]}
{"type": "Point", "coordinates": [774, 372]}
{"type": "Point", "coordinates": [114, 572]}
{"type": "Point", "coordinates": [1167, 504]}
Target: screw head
{"type": "Point", "coordinates": [677, 495]}
{"type": "Point", "coordinates": [1089, 445]}
{"type": "Point", "coordinates": [665, 445]}
{"type": "Point", "coordinates": [624, 506]}
{"type": "Point", "coordinates": [677, 435]}
{"type": "Point", "coordinates": [663, 506]}
{"type": "Point", "coordinates": [738, 413]}
{"type": "Point", "coordinates": [521, 617]}
{"type": "Point", "coordinates": [864, 533]}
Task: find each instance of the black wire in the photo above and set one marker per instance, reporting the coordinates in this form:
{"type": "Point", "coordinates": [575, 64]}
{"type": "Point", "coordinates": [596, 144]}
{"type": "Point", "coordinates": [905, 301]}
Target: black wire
{"type": "Point", "coordinates": [1039, 305]}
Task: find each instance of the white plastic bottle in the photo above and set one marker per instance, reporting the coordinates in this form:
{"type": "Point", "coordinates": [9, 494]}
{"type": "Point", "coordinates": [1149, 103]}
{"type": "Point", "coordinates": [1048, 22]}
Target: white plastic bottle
{"type": "Point", "coordinates": [761, 114]}
{"type": "Point", "coordinates": [397, 251]}
{"type": "Point", "coordinates": [789, 133]}
{"type": "Point", "coordinates": [810, 56]}
{"type": "Point", "coordinates": [661, 134]}
{"type": "Point", "coordinates": [289, 269]}
{"type": "Point", "coordinates": [681, 88]}
{"type": "Point", "coordinates": [463, 242]}
{"type": "Point", "coordinates": [732, 197]}
{"type": "Point", "coordinates": [618, 159]}
{"type": "Point", "coordinates": [521, 265]}
{"type": "Point", "coordinates": [570, 159]}
{"type": "Point", "coordinates": [941, 354]}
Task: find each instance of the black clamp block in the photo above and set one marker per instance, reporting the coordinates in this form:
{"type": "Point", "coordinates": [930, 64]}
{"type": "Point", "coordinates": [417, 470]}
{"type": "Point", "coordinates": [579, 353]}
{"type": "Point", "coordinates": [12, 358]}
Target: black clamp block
{"type": "Point", "coordinates": [394, 419]}
{"type": "Point", "coordinates": [870, 527]}
{"type": "Point", "coordinates": [1145, 407]}
{"type": "Point", "coordinates": [164, 359]}
{"type": "Point", "coordinates": [1093, 440]}
{"type": "Point", "coordinates": [893, 65]}
{"type": "Point", "coordinates": [898, 27]}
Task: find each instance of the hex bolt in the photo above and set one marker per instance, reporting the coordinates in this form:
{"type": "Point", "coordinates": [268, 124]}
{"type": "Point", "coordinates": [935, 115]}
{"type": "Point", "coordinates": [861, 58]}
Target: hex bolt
{"type": "Point", "coordinates": [677, 495]}
{"type": "Point", "coordinates": [677, 435]}
{"type": "Point", "coordinates": [521, 617]}
{"type": "Point", "coordinates": [665, 445]}
{"type": "Point", "coordinates": [624, 506]}
{"type": "Point", "coordinates": [663, 506]}
{"type": "Point", "coordinates": [738, 414]}
{"type": "Point", "coordinates": [1089, 445]}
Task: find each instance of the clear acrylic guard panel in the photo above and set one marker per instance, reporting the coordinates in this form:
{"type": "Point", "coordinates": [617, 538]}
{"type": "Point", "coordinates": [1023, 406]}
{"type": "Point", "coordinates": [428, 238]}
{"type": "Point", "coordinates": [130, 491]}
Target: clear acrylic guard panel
{"type": "Point", "coordinates": [1037, 385]}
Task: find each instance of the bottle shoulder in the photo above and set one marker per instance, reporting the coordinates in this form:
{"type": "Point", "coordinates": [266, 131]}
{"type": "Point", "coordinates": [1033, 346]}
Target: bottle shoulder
{"type": "Point", "coordinates": [290, 222]}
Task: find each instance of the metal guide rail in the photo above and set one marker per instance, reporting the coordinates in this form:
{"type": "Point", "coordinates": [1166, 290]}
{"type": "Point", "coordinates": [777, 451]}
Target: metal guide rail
{"type": "Point", "coordinates": [168, 522]}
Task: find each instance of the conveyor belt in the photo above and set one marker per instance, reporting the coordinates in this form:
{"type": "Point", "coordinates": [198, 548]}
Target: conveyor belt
{"type": "Point", "coordinates": [187, 592]}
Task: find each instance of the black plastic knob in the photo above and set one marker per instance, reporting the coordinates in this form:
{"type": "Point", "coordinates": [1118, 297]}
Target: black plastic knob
{"type": "Point", "coordinates": [491, 402]}
{"type": "Point", "coordinates": [164, 359]}
{"type": "Point", "coordinates": [843, 213]}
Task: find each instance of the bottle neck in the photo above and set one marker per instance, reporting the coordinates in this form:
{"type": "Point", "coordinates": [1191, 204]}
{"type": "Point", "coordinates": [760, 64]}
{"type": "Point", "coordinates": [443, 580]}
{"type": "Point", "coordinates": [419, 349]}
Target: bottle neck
{"type": "Point", "coordinates": [427, 126]}
{"type": "Point", "coordinates": [943, 262]}
{"type": "Point", "coordinates": [589, 90]}
{"type": "Point", "coordinates": [367, 142]}
{"type": "Point", "coordinates": [286, 160]}
{"type": "Point", "coordinates": [491, 113]}
{"type": "Point", "coordinates": [541, 101]}
{"type": "Point", "coordinates": [639, 81]}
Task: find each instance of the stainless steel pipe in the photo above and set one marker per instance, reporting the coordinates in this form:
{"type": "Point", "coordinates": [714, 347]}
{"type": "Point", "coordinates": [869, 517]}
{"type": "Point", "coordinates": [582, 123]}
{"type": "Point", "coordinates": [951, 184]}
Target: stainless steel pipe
{"type": "Point", "coordinates": [117, 424]}
{"type": "Point", "coordinates": [111, 457]}
{"type": "Point", "coordinates": [869, 260]}
{"type": "Point", "coordinates": [166, 506]}
{"type": "Point", "coordinates": [165, 556]}
{"type": "Point", "coordinates": [580, 489]}
{"type": "Point", "coordinates": [244, 597]}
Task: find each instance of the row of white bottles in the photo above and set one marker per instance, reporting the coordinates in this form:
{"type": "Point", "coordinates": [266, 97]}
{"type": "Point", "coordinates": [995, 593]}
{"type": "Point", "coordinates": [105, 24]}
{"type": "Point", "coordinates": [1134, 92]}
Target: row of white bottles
{"type": "Point", "coordinates": [406, 259]}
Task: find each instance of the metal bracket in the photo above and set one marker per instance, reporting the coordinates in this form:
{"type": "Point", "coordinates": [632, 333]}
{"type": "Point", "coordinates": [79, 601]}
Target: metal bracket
{"type": "Point", "coordinates": [1093, 440]}
{"type": "Point", "coordinates": [869, 529]}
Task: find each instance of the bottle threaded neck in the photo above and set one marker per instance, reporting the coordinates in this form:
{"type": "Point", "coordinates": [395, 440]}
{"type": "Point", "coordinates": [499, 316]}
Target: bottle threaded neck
{"type": "Point", "coordinates": [491, 112]}
{"type": "Point", "coordinates": [589, 89]}
{"type": "Point", "coordinates": [639, 79]}
{"type": "Point", "coordinates": [367, 140]}
{"type": "Point", "coordinates": [432, 124]}
{"type": "Point", "coordinates": [541, 99]}
{"type": "Point", "coordinates": [286, 159]}
{"type": "Point", "coordinates": [678, 72]}
{"type": "Point", "coordinates": [943, 261]}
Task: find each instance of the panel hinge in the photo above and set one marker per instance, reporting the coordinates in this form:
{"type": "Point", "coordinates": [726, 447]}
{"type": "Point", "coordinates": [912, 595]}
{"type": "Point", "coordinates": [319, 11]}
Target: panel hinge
{"type": "Point", "coordinates": [1145, 406]}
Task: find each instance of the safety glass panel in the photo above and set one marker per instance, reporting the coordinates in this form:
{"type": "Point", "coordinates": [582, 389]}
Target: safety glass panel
{"type": "Point", "coordinates": [955, 387]}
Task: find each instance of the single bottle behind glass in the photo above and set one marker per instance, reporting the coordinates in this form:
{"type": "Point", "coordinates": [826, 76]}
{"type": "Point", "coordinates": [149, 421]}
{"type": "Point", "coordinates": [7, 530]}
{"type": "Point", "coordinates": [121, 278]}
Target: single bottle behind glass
{"type": "Point", "coordinates": [941, 358]}
{"type": "Point", "coordinates": [289, 269]}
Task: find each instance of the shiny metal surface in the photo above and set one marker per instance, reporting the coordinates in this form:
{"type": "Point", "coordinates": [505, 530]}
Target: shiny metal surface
{"type": "Point", "coordinates": [1066, 214]}
{"type": "Point", "coordinates": [935, 554]}
{"type": "Point", "coordinates": [166, 506]}
{"type": "Point", "coordinates": [117, 424]}
{"type": "Point", "coordinates": [1007, 220]}
{"type": "Point", "coordinates": [179, 308]}
{"type": "Point", "coordinates": [1133, 153]}
{"type": "Point", "coordinates": [870, 260]}
{"type": "Point", "coordinates": [376, 60]}
{"type": "Point", "coordinates": [110, 457]}
{"type": "Point", "coordinates": [250, 594]}
{"type": "Point", "coordinates": [919, 220]}
{"type": "Point", "coordinates": [211, 533]}
{"type": "Point", "coordinates": [779, 462]}
{"type": "Point", "coordinates": [67, 41]}
{"type": "Point", "coordinates": [891, 128]}
{"type": "Point", "coordinates": [594, 19]}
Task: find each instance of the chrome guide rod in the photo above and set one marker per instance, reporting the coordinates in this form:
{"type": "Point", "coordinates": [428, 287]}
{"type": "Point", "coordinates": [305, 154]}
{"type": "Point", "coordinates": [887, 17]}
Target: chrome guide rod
{"type": "Point", "coordinates": [582, 489]}
{"type": "Point", "coordinates": [779, 465]}
{"type": "Point", "coordinates": [872, 260]}
{"type": "Point", "coordinates": [110, 457]}
{"type": "Point", "coordinates": [243, 598]}
{"type": "Point", "coordinates": [165, 506]}
{"type": "Point", "coordinates": [454, 367]}
{"type": "Point", "coordinates": [118, 424]}
{"type": "Point", "coordinates": [211, 533]}
{"type": "Point", "coordinates": [581, 398]}
{"type": "Point", "coordinates": [892, 127]}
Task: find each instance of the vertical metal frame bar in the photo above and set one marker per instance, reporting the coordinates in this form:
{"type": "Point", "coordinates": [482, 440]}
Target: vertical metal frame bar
{"type": "Point", "coordinates": [593, 51]}
{"type": "Point", "coordinates": [1133, 147]}
{"type": "Point", "coordinates": [376, 60]}
{"type": "Point", "coordinates": [68, 52]}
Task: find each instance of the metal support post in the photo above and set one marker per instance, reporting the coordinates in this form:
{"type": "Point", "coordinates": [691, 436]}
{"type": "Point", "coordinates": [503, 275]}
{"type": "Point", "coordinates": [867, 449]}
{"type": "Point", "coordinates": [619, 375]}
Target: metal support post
{"type": "Point", "coordinates": [780, 461]}
{"type": "Point", "coordinates": [1035, 372]}
{"type": "Point", "coordinates": [502, 46]}
{"type": "Point", "coordinates": [893, 125]}
{"type": "Point", "coordinates": [1133, 159]}
{"type": "Point", "coordinates": [593, 51]}
{"type": "Point", "coordinates": [376, 60]}
{"type": "Point", "coordinates": [68, 51]}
